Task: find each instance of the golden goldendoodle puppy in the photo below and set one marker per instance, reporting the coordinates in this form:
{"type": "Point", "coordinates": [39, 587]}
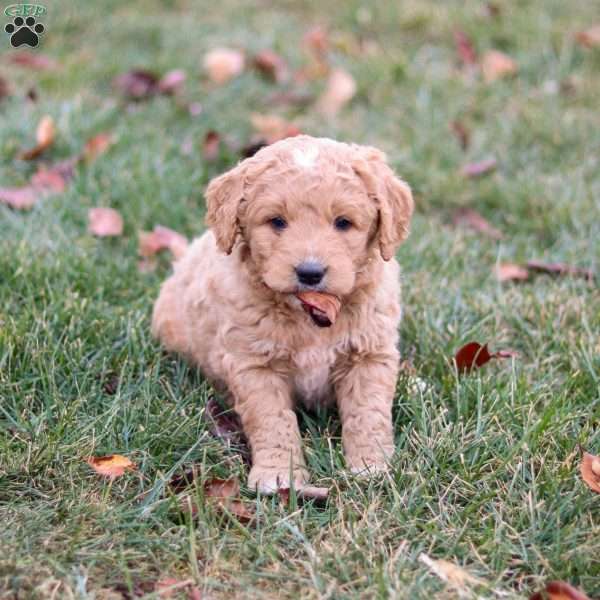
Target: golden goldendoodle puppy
{"type": "Point", "coordinates": [304, 214]}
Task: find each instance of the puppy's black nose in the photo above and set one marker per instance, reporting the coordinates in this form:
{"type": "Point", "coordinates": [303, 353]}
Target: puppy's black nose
{"type": "Point", "coordinates": [310, 273]}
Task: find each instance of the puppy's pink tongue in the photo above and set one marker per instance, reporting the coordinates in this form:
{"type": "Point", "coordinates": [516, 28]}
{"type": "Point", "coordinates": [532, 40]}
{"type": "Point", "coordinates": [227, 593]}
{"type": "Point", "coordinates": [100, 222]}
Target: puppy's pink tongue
{"type": "Point", "coordinates": [323, 308]}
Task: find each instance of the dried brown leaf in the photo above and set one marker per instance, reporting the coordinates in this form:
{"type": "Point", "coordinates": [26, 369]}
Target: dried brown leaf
{"type": "Point", "coordinates": [105, 222]}
{"type": "Point", "coordinates": [590, 38]}
{"type": "Point", "coordinates": [477, 169]}
{"type": "Point", "coordinates": [211, 146]}
{"type": "Point", "coordinates": [223, 64]}
{"type": "Point", "coordinates": [340, 89]}
{"type": "Point", "coordinates": [465, 48]}
{"type": "Point", "coordinates": [497, 65]}
{"type": "Point", "coordinates": [271, 65]}
{"type": "Point", "coordinates": [32, 60]}
{"type": "Point", "coordinates": [162, 238]}
{"type": "Point", "coordinates": [559, 590]}
{"type": "Point", "coordinates": [45, 134]}
{"type": "Point", "coordinates": [137, 84]}
{"type": "Point", "coordinates": [224, 493]}
{"type": "Point", "coordinates": [560, 269]}
{"type": "Point", "coordinates": [323, 308]}
{"type": "Point", "coordinates": [471, 218]}
{"type": "Point", "coordinates": [590, 471]}
{"type": "Point", "coordinates": [511, 272]}
{"type": "Point", "coordinates": [452, 574]}
{"type": "Point", "coordinates": [172, 82]}
{"type": "Point", "coordinates": [113, 465]}
{"type": "Point", "coordinates": [97, 146]}
{"type": "Point", "coordinates": [273, 128]}
{"type": "Point", "coordinates": [463, 135]}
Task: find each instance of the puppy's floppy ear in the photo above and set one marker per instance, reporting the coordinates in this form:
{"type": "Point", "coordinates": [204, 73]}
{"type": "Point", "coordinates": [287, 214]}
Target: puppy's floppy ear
{"type": "Point", "coordinates": [391, 195]}
{"type": "Point", "coordinates": [223, 198]}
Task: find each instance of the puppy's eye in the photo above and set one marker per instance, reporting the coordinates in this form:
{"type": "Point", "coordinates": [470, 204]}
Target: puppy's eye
{"type": "Point", "coordinates": [278, 223]}
{"type": "Point", "coordinates": [342, 224]}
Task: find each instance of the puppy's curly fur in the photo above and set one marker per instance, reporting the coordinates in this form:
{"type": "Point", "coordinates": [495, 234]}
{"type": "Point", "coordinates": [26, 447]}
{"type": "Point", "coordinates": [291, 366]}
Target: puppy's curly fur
{"type": "Point", "coordinates": [231, 308]}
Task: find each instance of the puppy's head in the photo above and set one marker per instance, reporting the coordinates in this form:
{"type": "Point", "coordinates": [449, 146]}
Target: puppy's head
{"type": "Point", "coordinates": [312, 212]}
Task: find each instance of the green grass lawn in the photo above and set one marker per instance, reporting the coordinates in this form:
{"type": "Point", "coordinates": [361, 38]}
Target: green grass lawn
{"type": "Point", "coordinates": [487, 469]}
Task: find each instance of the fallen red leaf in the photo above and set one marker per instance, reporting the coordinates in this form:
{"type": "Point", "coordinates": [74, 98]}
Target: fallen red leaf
{"type": "Point", "coordinates": [273, 128]}
{"type": "Point", "coordinates": [590, 38]}
{"type": "Point", "coordinates": [45, 134]}
{"type": "Point", "coordinates": [32, 60]}
{"type": "Point", "coordinates": [211, 146]}
{"type": "Point", "coordinates": [162, 238]}
{"type": "Point", "coordinates": [559, 590]}
{"type": "Point", "coordinates": [496, 65]}
{"type": "Point", "coordinates": [473, 355]}
{"type": "Point", "coordinates": [271, 65]}
{"type": "Point", "coordinates": [511, 272]}
{"type": "Point", "coordinates": [105, 222]}
{"type": "Point", "coordinates": [97, 145]}
{"type": "Point", "coordinates": [471, 218]}
{"type": "Point", "coordinates": [44, 182]}
{"type": "Point", "coordinates": [223, 64]}
{"type": "Point", "coordinates": [560, 269]}
{"type": "Point", "coordinates": [323, 308]}
{"type": "Point", "coordinates": [169, 587]}
{"type": "Point", "coordinates": [113, 465]}
{"type": "Point", "coordinates": [462, 134]}
{"type": "Point", "coordinates": [171, 82]}
{"type": "Point", "coordinates": [477, 169]}
{"type": "Point", "coordinates": [339, 90]}
{"type": "Point", "coordinates": [4, 88]}
{"type": "Point", "coordinates": [224, 493]}
{"type": "Point", "coordinates": [590, 471]}
{"type": "Point", "coordinates": [137, 84]}
{"type": "Point", "coordinates": [464, 48]}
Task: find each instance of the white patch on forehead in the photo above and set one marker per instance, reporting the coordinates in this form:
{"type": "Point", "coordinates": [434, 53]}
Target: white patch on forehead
{"type": "Point", "coordinates": [305, 157]}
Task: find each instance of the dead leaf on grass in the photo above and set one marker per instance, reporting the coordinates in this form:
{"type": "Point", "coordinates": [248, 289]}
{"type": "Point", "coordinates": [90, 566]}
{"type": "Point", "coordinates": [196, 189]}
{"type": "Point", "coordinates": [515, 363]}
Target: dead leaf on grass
{"type": "Point", "coordinates": [44, 182]}
{"type": "Point", "coordinates": [171, 82]}
{"type": "Point", "coordinates": [511, 272]}
{"type": "Point", "coordinates": [560, 269]}
{"type": "Point", "coordinates": [479, 168]}
{"type": "Point", "coordinates": [45, 134]}
{"type": "Point", "coordinates": [471, 218]}
{"type": "Point", "coordinates": [223, 64]}
{"type": "Point", "coordinates": [559, 590]}
{"type": "Point", "coordinates": [590, 471]}
{"type": "Point", "coordinates": [224, 493]}
{"type": "Point", "coordinates": [113, 465]}
{"type": "Point", "coordinates": [211, 146]}
{"type": "Point", "coordinates": [452, 574]}
{"type": "Point", "coordinates": [589, 38]}
{"type": "Point", "coordinates": [497, 65]}
{"type": "Point", "coordinates": [340, 89]}
{"type": "Point", "coordinates": [32, 60]}
{"type": "Point", "coordinates": [465, 48]}
{"type": "Point", "coordinates": [271, 65]}
{"type": "Point", "coordinates": [137, 84]}
{"type": "Point", "coordinates": [105, 222]}
{"type": "Point", "coordinates": [97, 145]}
{"type": "Point", "coordinates": [273, 128]}
{"type": "Point", "coordinates": [473, 355]}
{"type": "Point", "coordinates": [463, 135]}
{"type": "Point", "coordinates": [162, 238]}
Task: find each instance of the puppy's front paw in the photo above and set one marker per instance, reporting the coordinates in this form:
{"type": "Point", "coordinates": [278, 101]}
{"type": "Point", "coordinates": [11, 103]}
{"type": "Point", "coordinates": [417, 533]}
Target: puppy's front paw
{"type": "Point", "coordinates": [267, 480]}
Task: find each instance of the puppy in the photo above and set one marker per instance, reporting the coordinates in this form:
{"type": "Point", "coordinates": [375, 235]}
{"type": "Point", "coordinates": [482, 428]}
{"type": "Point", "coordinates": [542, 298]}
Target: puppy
{"type": "Point", "coordinates": [302, 214]}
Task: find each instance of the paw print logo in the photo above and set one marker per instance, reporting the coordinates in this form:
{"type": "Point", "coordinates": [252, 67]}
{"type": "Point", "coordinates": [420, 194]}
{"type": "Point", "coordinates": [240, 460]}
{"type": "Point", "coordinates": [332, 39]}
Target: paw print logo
{"type": "Point", "coordinates": [24, 31]}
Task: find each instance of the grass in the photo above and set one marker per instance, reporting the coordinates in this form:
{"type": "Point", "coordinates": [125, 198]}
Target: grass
{"type": "Point", "coordinates": [486, 473]}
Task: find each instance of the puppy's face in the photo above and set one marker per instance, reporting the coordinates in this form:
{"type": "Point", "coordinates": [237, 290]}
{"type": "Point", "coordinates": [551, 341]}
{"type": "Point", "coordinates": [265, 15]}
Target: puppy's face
{"type": "Point", "coordinates": [311, 212]}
